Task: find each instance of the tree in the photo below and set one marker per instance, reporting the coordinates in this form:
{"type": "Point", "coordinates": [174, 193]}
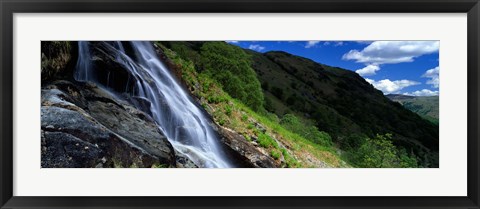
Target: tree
{"type": "Point", "coordinates": [378, 152]}
{"type": "Point", "coordinates": [230, 66]}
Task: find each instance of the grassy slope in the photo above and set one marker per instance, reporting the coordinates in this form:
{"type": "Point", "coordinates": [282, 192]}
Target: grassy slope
{"type": "Point", "coordinates": [286, 147]}
{"type": "Point", "coordinates": [341, 102]}
{"type": "Point", "coordinates": [427, 107]}
{"type": "Point", "coordinates": [307, 94]}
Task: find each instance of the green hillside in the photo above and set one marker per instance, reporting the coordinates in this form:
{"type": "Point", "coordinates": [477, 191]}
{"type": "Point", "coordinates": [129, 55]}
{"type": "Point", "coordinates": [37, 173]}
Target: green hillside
{"type": "Point", "coordinates": [425, 106]}
{"type": "Point", "coordinates": [330, 109]}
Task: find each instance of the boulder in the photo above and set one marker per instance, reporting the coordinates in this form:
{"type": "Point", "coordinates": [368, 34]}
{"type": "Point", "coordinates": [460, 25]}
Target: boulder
{"type": "Point", "coordinates": [246, 154]}
{"type": "Point", "coordinates": [184, 162]}
{"type": "Point", "coordinates": [60, 149]}
{"type": "Point", "coordinates": [85, 126]}
{"type": "Point", "coordinates": [142, 103]}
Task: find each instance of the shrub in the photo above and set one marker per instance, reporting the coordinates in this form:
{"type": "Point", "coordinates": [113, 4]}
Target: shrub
{"type": "Point", "coordinates": [266, 141]}
{"type": "Point", "coordinates": [379, 152]}
{"type": "Point", "coordinates": [275, 154]}
{"type": "Point", "coordinates": [290, 162]}
{"type": "Point", "coordinates": [228, 110]}
{"type": "Point", "coordinates": [407, 160]}
{"type": "Point", "coordinates": [221, 121]}
{"type": "Point", "coordinates": [230, 66]}
{"type": "Point", "coordinates": [244, 117]}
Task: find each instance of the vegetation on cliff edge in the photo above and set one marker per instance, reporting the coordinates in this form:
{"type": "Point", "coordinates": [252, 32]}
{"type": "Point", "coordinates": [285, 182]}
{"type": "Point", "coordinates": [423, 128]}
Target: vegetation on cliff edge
{"type": "Point", "coordinates": [302, 108]}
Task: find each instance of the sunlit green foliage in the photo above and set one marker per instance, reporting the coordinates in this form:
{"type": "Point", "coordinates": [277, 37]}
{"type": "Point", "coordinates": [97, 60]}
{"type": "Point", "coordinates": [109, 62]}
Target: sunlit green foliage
{"type": "Point", "coordinates": [343, 104]}
{"type": "Point", "coordinates": [203, 86]}
{"type": "Point", "coordinates": [230, 66]}
{"type": "Point", "coordinates": [290, 162]}
{"type": "Point", "coordinates": [379, 152]}
{"type": "Point", "coordinates": [266, 141]}
{"type": "Point", "coordinates": [310, 99]}
{"type": "Point", "coordinates": [275, 154]}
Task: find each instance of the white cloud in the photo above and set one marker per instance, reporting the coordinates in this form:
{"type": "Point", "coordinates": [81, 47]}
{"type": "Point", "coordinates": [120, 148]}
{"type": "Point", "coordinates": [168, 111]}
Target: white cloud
{"type": "Point", "coordinates": [335, 43]}
{"type": "Point", "coordinates": [423, 92]}
{"type": "Point", "coordinates": [389, 52]}
{"type": "Point", "coordinates": [368, 70]}
{"type": "Point", "coordinates": [387, 86]}
{"type": "Point", "coordinates": [232, 42]}
{"type": "Point", "coordinates": [311, 44]}
{"type": "Point", "coordinates": [364, 42]}
{"type": "Point", "coordinates": [256, 47]}
{"type": "Point", "coordinates": [433, 74]}
{"type": "Point", "coordinates": [338, 43]}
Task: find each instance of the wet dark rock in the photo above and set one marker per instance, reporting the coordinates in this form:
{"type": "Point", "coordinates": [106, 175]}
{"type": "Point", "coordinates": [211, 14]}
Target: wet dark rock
{"type": "Point", "coordinates": [109, 72]}
{"type": "Point", "coordinates": [144, 133]}
{"type": "Point", "coordinates": [113, 75]}
{"type": "Point", "coordinates": [142, 103]}
{"type": "Point", "coordinates": [182, 135]}
{"type": "Point", "coordinates": [85, 126]}
{"type": "Point", "coordinates": [184, 162]}
{"type": "Point", "coordinates": [64, 150]}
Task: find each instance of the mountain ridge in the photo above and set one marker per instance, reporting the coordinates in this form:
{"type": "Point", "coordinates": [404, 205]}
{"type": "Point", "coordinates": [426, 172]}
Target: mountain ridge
{"type": "Point", "coordinates": [338, 89]}
{"type": "Point", "coordinates": [335, 100]}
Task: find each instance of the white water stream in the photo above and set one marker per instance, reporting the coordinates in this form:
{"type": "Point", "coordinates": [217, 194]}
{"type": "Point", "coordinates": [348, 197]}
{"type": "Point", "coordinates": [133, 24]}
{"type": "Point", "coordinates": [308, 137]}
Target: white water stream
{"type": "Point", "coordinates": [184, 124]}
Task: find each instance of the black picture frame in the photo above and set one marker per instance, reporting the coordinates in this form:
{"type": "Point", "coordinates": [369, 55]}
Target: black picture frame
{"type": "Point", "coordinates": [10, 7]}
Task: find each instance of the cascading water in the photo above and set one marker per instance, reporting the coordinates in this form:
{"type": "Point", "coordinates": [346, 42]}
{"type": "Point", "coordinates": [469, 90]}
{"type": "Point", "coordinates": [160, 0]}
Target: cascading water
{"type": "Point", "coordinates": [84, 65]}
{"type": "Point", "coordinates": [184, 124]}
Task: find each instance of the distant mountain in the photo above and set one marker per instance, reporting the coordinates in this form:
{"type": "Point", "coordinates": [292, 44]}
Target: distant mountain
{"type": "Point", "coordinates": [399, 97]}
{"type": "Point", "coordinates": [425, 106]}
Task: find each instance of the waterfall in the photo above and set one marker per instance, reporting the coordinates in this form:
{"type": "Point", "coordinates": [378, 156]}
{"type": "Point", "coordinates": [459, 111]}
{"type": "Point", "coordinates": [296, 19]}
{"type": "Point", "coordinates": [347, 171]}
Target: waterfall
{"type": "Point", "coordinates": [183, 122]}
{"type": "Point", "coordinates": [84, 65]}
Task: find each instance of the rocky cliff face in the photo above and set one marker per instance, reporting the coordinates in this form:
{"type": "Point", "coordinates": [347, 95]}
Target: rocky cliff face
{"type": "Point", "coordinates": [84, 125]}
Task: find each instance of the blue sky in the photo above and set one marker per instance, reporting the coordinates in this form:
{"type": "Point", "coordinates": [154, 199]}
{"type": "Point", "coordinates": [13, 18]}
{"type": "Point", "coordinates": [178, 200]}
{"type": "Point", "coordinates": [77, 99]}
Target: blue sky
{"type": "Point", "coordinates": [400, 67]}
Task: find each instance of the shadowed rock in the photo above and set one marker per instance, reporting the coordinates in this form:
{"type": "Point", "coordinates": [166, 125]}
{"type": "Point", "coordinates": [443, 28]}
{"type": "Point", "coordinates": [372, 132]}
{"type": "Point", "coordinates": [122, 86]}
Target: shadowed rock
{"type": "Point", "coordinates": [84, 126]}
